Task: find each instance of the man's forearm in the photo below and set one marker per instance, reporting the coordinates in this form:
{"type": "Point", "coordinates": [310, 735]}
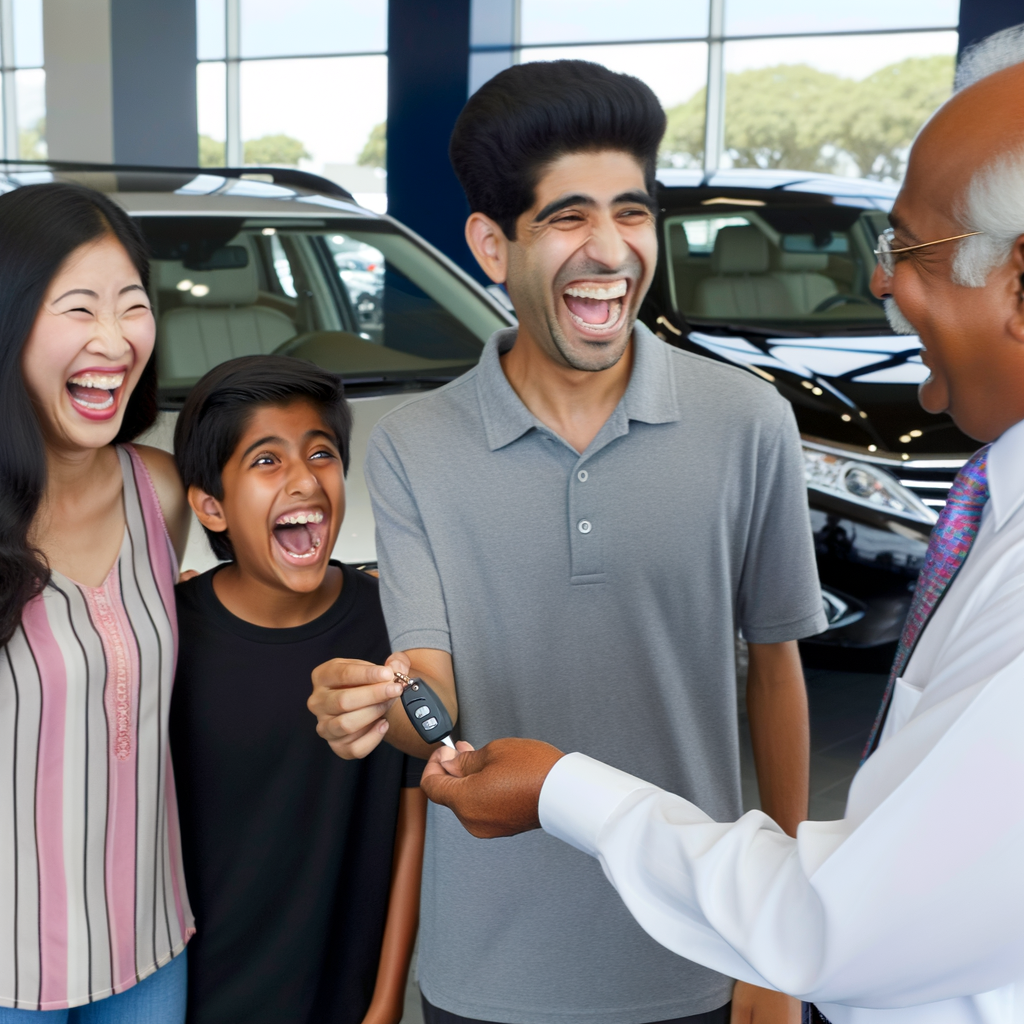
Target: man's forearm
{"type": "Point", "coordinates": [779, 731]}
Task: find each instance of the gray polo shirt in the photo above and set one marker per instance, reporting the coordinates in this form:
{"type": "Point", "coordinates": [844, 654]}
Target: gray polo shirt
{"type": "Point", "coordinates": [590, 601]}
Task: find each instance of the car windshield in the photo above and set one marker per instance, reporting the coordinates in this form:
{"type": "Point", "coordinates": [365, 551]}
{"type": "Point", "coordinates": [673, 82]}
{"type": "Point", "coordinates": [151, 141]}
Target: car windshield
{"type": "Point", "coordinates": [359, 299]}
{"type": "Point", "coordinates": [801, 265]}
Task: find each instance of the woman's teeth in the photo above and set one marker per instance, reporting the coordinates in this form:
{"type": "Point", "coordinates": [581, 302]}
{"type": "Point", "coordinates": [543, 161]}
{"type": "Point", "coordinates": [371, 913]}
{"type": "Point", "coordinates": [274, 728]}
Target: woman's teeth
{"type": "Point", "coordinates": [107, 381]}
{"type": "Point", "coordinates": [94, 390]}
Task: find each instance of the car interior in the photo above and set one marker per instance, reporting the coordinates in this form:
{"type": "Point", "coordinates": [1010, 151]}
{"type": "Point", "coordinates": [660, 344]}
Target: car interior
{"type": "Point", "coordinates": [365, 304]}
{"type": "Point", "coordinates": [737, 268]}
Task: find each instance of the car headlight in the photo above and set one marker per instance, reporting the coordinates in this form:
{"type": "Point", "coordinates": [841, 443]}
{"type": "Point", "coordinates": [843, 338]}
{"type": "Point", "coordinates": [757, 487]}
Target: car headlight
{"type": "Point", "coordinates": [863, 483]}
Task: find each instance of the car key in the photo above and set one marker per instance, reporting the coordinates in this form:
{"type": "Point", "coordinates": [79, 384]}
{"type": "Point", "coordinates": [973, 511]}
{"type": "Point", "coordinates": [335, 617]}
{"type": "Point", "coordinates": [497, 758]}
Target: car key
{"type": "Point", "coordinates": [426, 711]}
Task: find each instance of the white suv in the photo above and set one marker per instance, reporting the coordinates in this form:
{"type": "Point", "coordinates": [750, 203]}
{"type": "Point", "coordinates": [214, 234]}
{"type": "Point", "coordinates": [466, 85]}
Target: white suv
{"type": "Point", "coordinates": [281, 261]}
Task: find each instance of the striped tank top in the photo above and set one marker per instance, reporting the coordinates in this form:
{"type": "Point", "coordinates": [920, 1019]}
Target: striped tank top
{"type": "Point", "coordinates": [92, 894]}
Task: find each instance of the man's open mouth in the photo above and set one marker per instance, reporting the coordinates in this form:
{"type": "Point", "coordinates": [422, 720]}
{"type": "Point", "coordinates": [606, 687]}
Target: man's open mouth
{"type": "Point", "coordinates": [595, 307]}
{"type": "Point", "coordinates": [301, 534]}
{"type": "Point", "coordinates": [95, 391]}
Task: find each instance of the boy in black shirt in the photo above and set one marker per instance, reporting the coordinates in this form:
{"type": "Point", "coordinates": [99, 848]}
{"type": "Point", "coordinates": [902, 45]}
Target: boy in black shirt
{"type": "Point", "coordinates": [302, 869]}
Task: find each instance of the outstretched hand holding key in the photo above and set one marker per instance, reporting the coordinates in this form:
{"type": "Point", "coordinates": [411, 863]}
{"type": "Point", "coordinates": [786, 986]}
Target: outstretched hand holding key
{"type": "Point", "coordinates": [356, 703]}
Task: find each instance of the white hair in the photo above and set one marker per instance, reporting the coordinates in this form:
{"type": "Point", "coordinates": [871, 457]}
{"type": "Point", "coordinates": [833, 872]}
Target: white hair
{"type": "Point", "coordinates": [994, 200]}
{"type": "Point", "coordinates": [994, 53]}
{"type": "Point", "coordinates": [994, 205]}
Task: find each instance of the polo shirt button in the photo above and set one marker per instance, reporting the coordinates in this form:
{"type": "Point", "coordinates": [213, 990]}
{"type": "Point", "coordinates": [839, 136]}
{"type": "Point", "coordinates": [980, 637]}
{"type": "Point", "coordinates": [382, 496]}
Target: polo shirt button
{"type": "Point", "coordinates": [584, 526]}
{"type": "Point", "coordinates": [582, 476]}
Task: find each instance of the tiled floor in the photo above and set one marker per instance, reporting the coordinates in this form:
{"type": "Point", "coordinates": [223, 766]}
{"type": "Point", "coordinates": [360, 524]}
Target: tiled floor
{"type": "Point", "coordinates": [843, 706]}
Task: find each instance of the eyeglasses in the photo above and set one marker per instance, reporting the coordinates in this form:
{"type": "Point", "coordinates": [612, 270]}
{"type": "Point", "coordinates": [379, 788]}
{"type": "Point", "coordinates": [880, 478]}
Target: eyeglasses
{"type": "Point", "coordinates": [885, 251]}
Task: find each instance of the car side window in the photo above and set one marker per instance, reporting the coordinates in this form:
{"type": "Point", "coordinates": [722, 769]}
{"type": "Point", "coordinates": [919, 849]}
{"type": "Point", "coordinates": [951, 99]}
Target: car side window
{"type": "Point", "coordinates": [370, 305]}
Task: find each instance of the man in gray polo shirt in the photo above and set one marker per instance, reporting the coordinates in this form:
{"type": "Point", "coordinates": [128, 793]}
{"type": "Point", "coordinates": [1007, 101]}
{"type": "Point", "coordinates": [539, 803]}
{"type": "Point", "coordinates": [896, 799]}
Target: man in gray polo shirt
{"type": "Point", "coordinates": [569, 536]}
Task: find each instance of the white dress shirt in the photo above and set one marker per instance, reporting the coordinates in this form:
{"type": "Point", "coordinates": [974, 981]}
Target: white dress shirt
{"type": "Point", "coordinates": [910, 910]}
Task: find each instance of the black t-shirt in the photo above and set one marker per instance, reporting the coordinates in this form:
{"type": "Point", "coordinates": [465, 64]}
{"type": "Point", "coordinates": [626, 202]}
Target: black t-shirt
{"type": "Point", "coordinates": [287, 848]}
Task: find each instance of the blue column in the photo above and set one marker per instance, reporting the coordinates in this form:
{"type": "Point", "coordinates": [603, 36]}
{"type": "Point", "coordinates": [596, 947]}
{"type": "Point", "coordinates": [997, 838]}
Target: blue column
{"type": "Point", "coordinates": [428, 81]}
{"type": "Point", "coordinates": [153, 78]}
{"type": "Point", "coordinates": [980, 18]}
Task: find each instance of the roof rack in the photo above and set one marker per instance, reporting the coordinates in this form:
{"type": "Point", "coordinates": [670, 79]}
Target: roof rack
{"type": "Point", "coordinates": [278, 175]}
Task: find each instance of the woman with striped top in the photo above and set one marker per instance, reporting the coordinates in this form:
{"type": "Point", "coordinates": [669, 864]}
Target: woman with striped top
{"type": "Point", "coordinates": [93, 912]}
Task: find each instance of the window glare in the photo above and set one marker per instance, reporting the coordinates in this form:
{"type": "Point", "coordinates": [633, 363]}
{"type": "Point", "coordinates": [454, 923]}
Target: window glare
{"type": "Point", "coordinates": [276, 101]}
{"type": "Point", "coordinates": [30, 88]}
{"type": "Point", "coordinates": [28, 33]}
{"type": "Point", "coordinates": [581, 21]}
{"type": "Point", "coordinates": [210, 99]}
{"type": "Point", "coordinates": [675, 71]}
{"type": "Point", "coordinates": [274, 29]}
{"type": "Point", "coordinates": [755, 17]}
{"type": "Point", "coordinates": [210, 26]}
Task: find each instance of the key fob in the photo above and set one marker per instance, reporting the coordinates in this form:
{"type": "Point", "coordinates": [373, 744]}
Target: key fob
{"type": "Point", "coordinates": [428, 715]}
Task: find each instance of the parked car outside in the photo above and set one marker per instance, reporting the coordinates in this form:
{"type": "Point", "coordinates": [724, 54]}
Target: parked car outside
{"type": "Point", "coordinates": [769, 270]}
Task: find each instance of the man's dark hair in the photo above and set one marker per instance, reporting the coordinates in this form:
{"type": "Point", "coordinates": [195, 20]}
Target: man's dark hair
{"type": "Point", "coordinates": [219, 408]}
{"type": "Point", "coordinates": [531, 114]}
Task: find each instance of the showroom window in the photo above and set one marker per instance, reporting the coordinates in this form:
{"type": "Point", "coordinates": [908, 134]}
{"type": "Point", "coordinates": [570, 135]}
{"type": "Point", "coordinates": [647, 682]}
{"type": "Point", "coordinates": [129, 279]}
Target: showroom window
{"type": "Point", "coordinates": [299, 84]}
{"type": "Point", "coordinates": [22, 79]}
{"type": "Point", "coordinates": [795, 84]}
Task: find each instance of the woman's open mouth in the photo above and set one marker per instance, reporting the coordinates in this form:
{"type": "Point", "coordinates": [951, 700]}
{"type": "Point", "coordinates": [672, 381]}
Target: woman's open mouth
{"type": "Point", "coordinates": [300, 535]}
{"type": "Point", "coordinates": [596, 308]}
{"type": "Point", "coordinates": [94, 393]}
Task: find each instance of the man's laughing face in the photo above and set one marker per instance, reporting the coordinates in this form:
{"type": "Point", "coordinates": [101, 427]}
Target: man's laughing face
{"type": "Point", "coordinates": [583, 258]}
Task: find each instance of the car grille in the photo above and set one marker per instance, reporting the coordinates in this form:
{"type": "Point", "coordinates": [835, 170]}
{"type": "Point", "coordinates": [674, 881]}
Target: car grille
{"type": "Point", "coordinates": [929, 479]}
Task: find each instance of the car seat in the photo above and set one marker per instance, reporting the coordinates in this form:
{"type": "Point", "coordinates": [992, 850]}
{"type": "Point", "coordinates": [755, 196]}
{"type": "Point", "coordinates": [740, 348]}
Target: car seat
{"type": "Point", "coordinates": [741, 285]}
{"type": "Point", "coordinates": [686, 270]}
{"type": "Point", "coordinates": [800, 274]}
{"type": "Point", "coordinates": [219, 320]}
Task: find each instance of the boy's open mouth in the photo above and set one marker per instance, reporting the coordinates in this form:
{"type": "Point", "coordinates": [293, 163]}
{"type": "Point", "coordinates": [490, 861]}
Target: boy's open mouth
{"type": "Point", "coordinates": [596, 307]}
{"type": "Point", "coordinates": [95, 391]}
{"type": "Point", "coordinates": [300, 534]}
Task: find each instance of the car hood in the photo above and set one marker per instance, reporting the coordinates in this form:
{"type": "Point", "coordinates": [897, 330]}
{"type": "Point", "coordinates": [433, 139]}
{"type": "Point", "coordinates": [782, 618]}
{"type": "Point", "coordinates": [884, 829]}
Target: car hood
{"type": "Point", "coordinates": [866, 383]}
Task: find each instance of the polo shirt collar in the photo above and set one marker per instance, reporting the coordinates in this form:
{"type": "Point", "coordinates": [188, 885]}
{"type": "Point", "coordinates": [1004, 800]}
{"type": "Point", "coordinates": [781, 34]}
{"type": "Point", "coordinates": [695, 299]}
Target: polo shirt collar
{"type": "Point", "coordinates": [650, 396]}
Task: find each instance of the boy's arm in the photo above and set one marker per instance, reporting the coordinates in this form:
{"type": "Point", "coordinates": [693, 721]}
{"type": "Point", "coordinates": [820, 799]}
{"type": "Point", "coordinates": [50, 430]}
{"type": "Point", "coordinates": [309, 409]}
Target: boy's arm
{"type": "Point", "coordinates": [388, 1002]}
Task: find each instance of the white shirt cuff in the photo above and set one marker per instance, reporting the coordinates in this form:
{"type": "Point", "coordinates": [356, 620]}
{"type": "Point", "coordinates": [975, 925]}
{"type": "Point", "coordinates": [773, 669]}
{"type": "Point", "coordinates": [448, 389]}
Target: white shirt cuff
{"type": "Point", "coordinates": [579, 796]}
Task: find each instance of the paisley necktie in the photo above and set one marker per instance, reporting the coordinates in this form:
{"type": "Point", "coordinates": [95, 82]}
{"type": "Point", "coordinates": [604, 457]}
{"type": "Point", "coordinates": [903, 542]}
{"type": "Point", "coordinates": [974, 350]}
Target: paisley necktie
{"type": "Point", "coordinates": [951, 539]}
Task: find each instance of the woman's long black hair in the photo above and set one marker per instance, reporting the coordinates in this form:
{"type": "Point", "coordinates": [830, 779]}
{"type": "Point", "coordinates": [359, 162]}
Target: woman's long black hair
{"type": "Point", "coordinates": [40, 227]}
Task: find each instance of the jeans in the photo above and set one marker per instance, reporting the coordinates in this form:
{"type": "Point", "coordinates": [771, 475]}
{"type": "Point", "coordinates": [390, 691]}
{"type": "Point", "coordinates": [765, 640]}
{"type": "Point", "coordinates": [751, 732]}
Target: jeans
{"type": "Point", "coordinates": [159, 999]}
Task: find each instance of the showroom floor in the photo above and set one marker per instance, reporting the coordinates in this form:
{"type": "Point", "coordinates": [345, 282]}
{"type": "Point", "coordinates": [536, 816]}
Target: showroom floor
{"type": "Point", "coordinates": [843, 706]}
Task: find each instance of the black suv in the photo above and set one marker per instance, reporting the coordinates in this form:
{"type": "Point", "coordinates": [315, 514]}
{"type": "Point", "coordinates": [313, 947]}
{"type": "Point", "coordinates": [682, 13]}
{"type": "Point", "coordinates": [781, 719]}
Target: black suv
{"type": "Point", "coordinates": [769, 270]}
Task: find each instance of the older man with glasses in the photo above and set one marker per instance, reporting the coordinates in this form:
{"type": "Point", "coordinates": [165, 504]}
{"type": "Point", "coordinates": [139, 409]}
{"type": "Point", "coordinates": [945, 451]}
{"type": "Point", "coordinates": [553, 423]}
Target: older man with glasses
{"type": "Point", "coordinates": [910, 910]}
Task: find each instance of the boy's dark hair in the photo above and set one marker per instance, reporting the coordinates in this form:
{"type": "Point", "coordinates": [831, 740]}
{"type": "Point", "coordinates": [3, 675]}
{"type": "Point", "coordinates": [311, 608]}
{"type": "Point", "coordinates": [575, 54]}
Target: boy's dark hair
{"type": "Point", "coordinates": [219, 407]}
{"type": "Point", "coordinates": [531, 114]}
